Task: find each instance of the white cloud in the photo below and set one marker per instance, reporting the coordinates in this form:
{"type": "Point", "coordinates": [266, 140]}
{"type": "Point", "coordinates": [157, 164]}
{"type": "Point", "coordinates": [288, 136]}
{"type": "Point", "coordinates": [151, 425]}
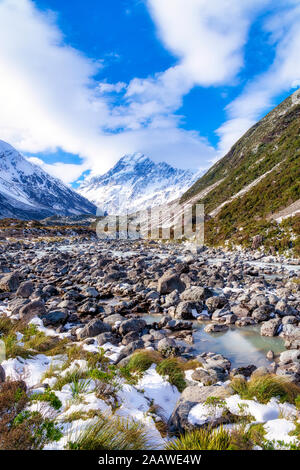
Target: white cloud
{"type": "Point", "coordinates": [283, 75]}
{"type": "Point", "coordinates": [207, 36]}
{"type": "Point", "coordinates": [49, 97]}
{"type": "Point", "coordinates": [67, 172]}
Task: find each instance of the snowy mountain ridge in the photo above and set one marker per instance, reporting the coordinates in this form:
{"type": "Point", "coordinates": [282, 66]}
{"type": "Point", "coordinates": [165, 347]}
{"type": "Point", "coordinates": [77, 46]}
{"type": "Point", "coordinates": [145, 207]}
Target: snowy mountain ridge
{"type": "Point", "coordinates": [28, 192]}
{"type": "Point", "coordinates": [136, 183]}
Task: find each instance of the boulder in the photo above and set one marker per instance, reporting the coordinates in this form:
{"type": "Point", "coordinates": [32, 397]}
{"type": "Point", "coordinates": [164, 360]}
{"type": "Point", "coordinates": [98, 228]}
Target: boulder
{"type": "Point", "coordinates": [107, 337]}
{"type": "Point", "coordinates": [133, 324]}
{"type": "Point", "coordinates": [10, 282]}
{"type": "Point", "coordinates": [130, 337]}
{"type": "Point", "coordinates": [25, 289]}
{"type": "Point", "coordinates": [190, 397]}
{"type": "Point", "coordinates": [271, 327]}
{"type": "Point", "coordinates": [240, 310]}
{"type": "Point", "coordinates": [246, 371]}
{"type": "Point", "coordinates": [36, 308]}
{"type": "Point", "coordinates": [2, 375]}
{"type": "Point", "coordinates": [168, 347]}
{"type": "Point", "coordinates": [113, 319]}
{"type": "Point", "coordinates": [260, 372]}
{"type": "Point", "coordinates": [215, 328]}
{"type": "Point", "coordinates": [93, 328]}
{"type": "Point", "coordinates": [90, 292]}
{"type": "Point", "coordinates": [270, 355]}
{"type": "Point", "coordinates": [184, 311]}
{"type": "Point", "coordinates": [215, 302]}
{"type": "Point", "coordinates": [260, 314]}
{"type": "Point", "coordinates": [131, 347]}
{"type": "Point", "coordinates": [170, 282]}
{"type": "Point", "coordinates": [205, 377]}
{"type": "Point", "coordinates": [55, 318]}
{"type": "Point", "coordinates": [196, 294]}
{"type": "Point", "coordinates": [293, 355]}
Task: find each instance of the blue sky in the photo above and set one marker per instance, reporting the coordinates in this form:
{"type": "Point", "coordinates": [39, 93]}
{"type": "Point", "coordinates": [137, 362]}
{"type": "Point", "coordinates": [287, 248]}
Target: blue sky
{"type": "Point", "coordinates": [84, 82]}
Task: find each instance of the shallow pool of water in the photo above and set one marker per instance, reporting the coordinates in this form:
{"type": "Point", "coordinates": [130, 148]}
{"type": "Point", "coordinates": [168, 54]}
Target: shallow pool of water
{"type": "Point", "coordinates": [242, 346]}
{"type": "Point", "coordinates": [149, 319]}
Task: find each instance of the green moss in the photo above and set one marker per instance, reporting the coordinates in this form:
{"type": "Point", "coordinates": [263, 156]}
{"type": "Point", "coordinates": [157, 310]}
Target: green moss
{"type": "Point", "coordinates": [48, 396]}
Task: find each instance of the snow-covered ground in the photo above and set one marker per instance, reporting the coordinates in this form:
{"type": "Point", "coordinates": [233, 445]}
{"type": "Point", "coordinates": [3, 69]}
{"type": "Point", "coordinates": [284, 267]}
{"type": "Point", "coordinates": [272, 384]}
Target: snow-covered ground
{"type": "Point", "coordinates": [134, 401]}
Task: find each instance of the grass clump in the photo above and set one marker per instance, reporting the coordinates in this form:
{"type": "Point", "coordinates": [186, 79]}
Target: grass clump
{"type": "Point", "coordinates": [94, 360]}
{"type": "Point", "coordinates": [111, 433]}
{"type": "Point", "coordinates": [202, 439]}
{"type": "Point", "coordinates": [142, 360]}
{"type": "Point", "coordinates": [13, 349]}
{"type": "Point", "coordinates": [70, 378]}
{"type": "Point", "coordinates": [6, 326]}
{"type": "Point", "coordinates": [239, 438]}
{"type": "Point", "coordinates": [264, 388]}
{"type": "Point", "coordinates": [173, 369]}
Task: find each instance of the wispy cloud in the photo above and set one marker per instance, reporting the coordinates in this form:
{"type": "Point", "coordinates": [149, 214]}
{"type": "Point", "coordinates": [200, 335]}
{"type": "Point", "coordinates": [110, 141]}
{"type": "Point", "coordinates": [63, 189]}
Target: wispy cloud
{"type": "Point", "coordinates": [283, 75]}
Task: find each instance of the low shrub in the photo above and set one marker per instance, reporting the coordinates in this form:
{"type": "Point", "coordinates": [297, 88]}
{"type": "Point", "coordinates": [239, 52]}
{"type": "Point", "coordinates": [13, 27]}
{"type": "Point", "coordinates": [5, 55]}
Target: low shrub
{"type": "Point", "coordinates": [22, 429]}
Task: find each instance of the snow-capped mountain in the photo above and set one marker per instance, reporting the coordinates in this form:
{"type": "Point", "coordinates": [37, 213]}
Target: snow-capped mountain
{"type": "Point", "coordinates": [28, 192]}
{"type": "Point", "coordinates": [136, 183]}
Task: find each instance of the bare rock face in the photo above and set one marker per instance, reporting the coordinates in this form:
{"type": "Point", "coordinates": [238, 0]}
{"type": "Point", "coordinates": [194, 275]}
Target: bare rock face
{"type": "Point", "coordinates": [257, 242]}
{"type": "Point", "coordinates": [2, 375]}
{"type": "Point", "coordinates": [191, 397]}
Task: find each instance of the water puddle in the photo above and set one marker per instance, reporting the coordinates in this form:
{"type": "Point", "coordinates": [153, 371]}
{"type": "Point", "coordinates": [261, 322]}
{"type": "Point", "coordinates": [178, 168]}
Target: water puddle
{"type": "Point", "coordinates": [242, 346]}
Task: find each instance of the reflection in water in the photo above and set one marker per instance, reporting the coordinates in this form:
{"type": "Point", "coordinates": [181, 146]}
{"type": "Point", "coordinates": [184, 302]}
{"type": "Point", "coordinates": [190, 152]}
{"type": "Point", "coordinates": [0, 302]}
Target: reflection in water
{"type": "Point", "coordinates": [242, 346]}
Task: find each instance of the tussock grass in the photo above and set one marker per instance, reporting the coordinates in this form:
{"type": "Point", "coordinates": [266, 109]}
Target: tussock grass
{"type": "Point", "coordinates": [142, 360]}
{"type": "Point", "coordinates": [192, 364]}
{"type": "Point", "coordinates": [94, 360]}
{"type": "Point", "coordinates": [266, 387]}
{"type": "Point", "coordinates": [202, 439]}
{"type": "Point", "coordinates": [113, 433]}
{"type": "Point", "coordinates": [13, 349]}
{"type": "Point", "coordinates": [238, 438]}
{"type": "Point", "coordinates": [6, 326]}
{"type": "Point", "coordinates": [70, 378]}
{"type": "Point", "coordinates": [21, 429]}
{"type": "Point", "coordinates": [172, 368]}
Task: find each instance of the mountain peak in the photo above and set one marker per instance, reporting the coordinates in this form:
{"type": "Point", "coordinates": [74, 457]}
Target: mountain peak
{"type": "Point", "coordinates": [136, 183]}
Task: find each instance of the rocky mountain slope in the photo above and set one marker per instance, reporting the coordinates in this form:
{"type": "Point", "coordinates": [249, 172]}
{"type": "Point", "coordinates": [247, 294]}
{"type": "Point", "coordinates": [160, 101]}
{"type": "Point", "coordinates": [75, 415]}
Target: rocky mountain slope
{"type": "Point", "coordinates": [28, 192]}
{"type": "Point", "coordinates": [255, 188]}
{"type": "Point", "coordinates": [136, 183]}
